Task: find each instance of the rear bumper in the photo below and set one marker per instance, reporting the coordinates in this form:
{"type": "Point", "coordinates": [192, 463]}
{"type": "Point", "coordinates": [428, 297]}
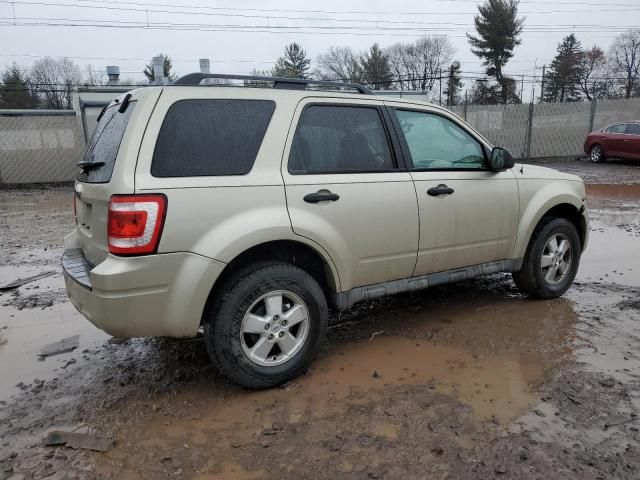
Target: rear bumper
{"type": "Point", "coordinates": [153, 295]}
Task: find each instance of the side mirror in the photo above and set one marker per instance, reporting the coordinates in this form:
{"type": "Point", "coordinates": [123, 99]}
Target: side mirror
{"type": "Point", "coordinates": [501, 159]}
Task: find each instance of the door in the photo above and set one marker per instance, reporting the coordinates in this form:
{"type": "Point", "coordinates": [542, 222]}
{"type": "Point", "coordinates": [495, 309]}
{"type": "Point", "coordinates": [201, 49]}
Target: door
{"type": "Point", "coordinates": [632, 142]}
{"type": "Point", "coordinates": [614, 138]}
{"type": "Point", "coordinates": [345, 191]}
{"type": "Point", "coordinates": [468, 213]}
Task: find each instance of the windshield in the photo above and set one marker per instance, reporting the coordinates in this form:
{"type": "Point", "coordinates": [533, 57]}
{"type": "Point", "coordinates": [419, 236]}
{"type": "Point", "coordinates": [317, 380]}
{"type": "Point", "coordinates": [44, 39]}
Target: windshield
{"type": "Point", "coordinates": [102, 149]}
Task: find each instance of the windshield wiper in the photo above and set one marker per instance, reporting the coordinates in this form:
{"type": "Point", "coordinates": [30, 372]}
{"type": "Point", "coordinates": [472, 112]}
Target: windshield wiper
{"type": "Point", "coordinates": [86, 165]}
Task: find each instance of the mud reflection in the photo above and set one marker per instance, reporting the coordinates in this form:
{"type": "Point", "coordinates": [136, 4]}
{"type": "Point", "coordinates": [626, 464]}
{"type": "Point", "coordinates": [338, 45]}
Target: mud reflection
{"type": "Point", "coordinates": [481, 357]}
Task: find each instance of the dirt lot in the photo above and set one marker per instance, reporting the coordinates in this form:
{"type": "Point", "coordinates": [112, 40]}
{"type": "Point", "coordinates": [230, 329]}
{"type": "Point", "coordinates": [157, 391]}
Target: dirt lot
{"type": "Point", "coordinates": [465, 381]}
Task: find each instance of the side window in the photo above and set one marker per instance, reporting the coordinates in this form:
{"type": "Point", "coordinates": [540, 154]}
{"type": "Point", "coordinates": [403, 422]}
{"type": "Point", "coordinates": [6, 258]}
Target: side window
{"type": "Point", "coordinates": [339, 139]}
{"type": "Point", "coordinates": [210, 137]}
{"type": "Point", "coordinates": [437, 143]}
{"type": "Point", "coordinates": [633, 128]}
{"type": "Point", "coordinates": [619, 128]}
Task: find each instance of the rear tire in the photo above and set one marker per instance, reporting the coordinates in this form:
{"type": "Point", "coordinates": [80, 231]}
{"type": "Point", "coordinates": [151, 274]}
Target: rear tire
{"type": "Point", "coordinates": [267, 326]}
{"type": "Point", "coordinates": [551, 261]}
{"type": "Point", "coordinates": [596, 154]}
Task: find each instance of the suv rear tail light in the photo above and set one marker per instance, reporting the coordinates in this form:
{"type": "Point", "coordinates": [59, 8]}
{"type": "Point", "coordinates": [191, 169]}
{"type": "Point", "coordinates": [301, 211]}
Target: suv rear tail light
{"type": "Point", "coordinates": [135, 223]}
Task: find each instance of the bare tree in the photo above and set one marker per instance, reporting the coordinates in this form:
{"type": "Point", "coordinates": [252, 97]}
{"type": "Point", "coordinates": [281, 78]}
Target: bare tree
{"type": "Point", "coordinates": [340, 63]}
{"type": "Point", "coordinates": [54, 79]}
{"type": "Point", "coordinates": [417, 66]}
{"type": "Point", "coordinates": [92, 77]}
{"type": "Point", "coordinates": [592, 73]}
{"type": "Point", "coordinates": [625, 55]}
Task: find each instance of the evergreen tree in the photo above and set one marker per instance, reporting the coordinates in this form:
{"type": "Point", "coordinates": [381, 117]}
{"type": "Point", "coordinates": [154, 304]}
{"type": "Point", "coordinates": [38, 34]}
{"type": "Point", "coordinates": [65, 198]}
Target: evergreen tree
{"type": "Point", "coordinates": [293, 64]}
{"type": "Point", "coordinates": [454, 85]}
{"type": "Point", "coordinates": [562, 83]}
{"type": "Point", "coordinates": [376, 69]}
{"type": "Point", "coordinates": [14, 90]}
{"type": "Point", "coordinates": [499, 30]}
{"type": "Point", "coordinates": [167, 67]}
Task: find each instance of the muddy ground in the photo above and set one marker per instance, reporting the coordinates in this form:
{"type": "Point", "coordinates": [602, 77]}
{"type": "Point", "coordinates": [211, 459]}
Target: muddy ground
{"type": "Point", "coordinates": [469, 381]}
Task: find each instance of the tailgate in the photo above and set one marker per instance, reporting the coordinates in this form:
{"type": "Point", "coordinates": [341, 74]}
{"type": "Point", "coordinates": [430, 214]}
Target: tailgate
{"type": "Point", "coordinates": [92, 204]}
{"type": "Point", "coordinates": [107, 168]}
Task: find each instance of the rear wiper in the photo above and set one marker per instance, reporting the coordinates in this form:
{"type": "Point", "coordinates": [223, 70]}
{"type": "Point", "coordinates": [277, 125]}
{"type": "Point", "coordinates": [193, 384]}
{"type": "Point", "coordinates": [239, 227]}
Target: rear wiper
{"type": "Point", "coordinates": [86, 165]}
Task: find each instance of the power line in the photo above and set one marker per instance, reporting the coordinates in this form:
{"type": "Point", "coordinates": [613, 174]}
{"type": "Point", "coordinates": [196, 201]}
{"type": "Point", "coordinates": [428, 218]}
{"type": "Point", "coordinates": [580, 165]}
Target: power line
{"type": "Point", "coordinates": [64, 22]}
{"type": "Point", "coordinates": [356, 12]}
{"type": "Point", "coordinates": [376, 22]}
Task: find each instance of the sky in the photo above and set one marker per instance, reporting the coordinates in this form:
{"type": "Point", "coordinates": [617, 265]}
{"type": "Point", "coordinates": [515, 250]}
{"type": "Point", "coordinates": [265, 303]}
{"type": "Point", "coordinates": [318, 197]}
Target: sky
{"type": "Point", "coordinates": [238, 36]}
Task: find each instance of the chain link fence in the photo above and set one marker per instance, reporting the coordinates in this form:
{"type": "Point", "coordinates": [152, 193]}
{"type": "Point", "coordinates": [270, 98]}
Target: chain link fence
{"type": "Point", "coordinates": [39, 146]}
{"type": "Point", "coordinates": [44, 146]}
{"type": "Point", "coordinates": [546, 129]}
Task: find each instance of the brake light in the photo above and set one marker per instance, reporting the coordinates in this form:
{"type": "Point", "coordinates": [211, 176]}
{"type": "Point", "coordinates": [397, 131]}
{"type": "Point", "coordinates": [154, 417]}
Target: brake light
{"type": "Point", "coordinates": [135, 222]}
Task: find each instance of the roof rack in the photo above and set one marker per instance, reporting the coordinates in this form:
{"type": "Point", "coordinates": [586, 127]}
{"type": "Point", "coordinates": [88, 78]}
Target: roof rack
{"type": "Point", "coordinates": [194, 79]}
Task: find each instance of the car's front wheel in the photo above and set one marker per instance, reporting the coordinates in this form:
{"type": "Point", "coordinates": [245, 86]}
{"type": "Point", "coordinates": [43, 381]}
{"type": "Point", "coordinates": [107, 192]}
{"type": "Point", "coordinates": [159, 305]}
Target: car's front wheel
{"type": "Point", "coordinates": [267, 326]}
{"type": "Point", "coordinates": [596, 154]}
{"type": "Point", "coordinates": [552, 259]}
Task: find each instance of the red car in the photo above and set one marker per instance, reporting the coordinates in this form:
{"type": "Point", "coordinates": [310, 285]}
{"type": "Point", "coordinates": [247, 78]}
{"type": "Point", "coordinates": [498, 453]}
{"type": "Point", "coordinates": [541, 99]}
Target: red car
{"type": "Point", "coordinates": [620, 140]}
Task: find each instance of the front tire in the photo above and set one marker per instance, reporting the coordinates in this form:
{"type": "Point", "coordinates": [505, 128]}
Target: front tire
{"type": "Point", "coordinates": [267, 326]}
{"type": "Point", "coordinates": [551, 261]}
{"type": "Point", "coordinates": [596, 154]}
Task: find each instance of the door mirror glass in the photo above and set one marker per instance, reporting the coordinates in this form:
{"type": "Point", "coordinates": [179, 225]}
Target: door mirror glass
{"type": "Point", "coordinates": [501, 159]}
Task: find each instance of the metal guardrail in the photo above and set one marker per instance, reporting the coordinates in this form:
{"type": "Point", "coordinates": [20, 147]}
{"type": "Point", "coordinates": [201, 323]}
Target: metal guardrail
{"type": "Point", "coordinates": [14, 112]}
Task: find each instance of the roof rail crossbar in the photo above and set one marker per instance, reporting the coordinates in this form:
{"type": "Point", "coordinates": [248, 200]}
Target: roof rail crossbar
{"type": "Point", "coordinates": [193, 79]}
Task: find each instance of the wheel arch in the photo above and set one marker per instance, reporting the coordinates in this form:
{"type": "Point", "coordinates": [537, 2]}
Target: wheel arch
{"type": "Point", "coordinates": [562, 206]}
{"type": "Point", "coordinates": [318, 264]}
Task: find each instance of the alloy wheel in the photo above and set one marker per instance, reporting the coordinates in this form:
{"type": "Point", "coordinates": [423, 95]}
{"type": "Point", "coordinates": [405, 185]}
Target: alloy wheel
{"type": "Point", "coordinates": [557, 258]}
{"type": "Point", "coordinates": [274, 328]}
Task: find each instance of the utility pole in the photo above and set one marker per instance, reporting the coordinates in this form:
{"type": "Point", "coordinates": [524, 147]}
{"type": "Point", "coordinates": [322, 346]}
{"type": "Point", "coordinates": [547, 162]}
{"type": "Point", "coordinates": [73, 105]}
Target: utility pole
{"type": "Point", "coordinates": [440, 101]}
{"type": "Point", "coordinates": [544, 68]}
{"type": "Point", "coordinates": [522, 89]}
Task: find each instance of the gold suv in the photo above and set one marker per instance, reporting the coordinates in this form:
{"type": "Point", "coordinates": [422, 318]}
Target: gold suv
{"type": "Point", "coordinates": [247, 211]}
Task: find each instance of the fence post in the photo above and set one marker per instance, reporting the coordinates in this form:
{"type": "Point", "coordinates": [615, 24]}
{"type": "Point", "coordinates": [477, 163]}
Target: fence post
{"type": "Point", "coordinates": [593, 114]}
{"type": "Point", "coordinates": [529, 131]}
{"type": "Point", "coordinates": [464, 110]}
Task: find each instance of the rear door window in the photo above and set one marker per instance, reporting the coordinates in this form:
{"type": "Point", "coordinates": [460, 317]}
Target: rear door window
{"type": "Point", "coordinates": [211, 137]}
{"type": "Point", "coordinates": [103, 147]}
{"type": "Point", "coordinates": [340, 139]}
{"type": "Point", "coordinates": [633, 128]}
{"type": "Point", "coordinates": [619, 128]}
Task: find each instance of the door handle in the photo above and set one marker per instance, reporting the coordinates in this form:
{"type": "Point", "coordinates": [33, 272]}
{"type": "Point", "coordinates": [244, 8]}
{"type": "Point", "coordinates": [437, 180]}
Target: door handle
{"type": "Point", "coordinates": [441, 189]}
{"type": "Point", "coordinates": [321, 197]}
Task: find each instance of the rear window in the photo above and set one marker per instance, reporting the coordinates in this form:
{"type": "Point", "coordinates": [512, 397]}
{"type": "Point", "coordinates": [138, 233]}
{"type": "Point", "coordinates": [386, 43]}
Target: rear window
{"type": "Point", "coordinates": [211, 137]}
{"type": "Point", "coordinates": [633, 128]}
{"type": "Point", "coordinates": [103, 147]}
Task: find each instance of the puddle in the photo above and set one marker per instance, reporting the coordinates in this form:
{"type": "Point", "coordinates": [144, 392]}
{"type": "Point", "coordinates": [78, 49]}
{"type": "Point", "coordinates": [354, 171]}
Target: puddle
{"type": "Point", "coordinates": [472, 360]}
{"type": "Point", "coordinates": [613, 191]}
{"type": "Point", "coordinates": [612, 255]}
{"type": "Point", "coordinates": [31, 317]}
